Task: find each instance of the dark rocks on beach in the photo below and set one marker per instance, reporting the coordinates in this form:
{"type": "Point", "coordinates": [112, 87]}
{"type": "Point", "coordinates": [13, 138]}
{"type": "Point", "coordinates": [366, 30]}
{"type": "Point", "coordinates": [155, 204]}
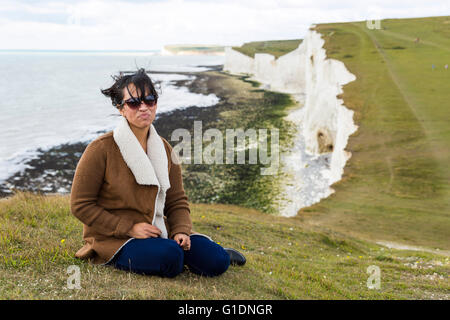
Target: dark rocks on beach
{"type": "Point", "coordinates": [50, 172]}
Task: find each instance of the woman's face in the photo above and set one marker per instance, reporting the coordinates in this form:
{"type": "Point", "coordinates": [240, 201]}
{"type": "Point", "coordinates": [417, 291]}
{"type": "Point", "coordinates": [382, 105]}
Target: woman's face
{"type": "Point", "coordinates": [142, 116]}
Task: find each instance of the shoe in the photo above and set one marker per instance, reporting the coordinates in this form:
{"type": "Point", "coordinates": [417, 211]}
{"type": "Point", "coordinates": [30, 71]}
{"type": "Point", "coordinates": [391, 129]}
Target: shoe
{"type": "Point", "coordinates": [236, 257]}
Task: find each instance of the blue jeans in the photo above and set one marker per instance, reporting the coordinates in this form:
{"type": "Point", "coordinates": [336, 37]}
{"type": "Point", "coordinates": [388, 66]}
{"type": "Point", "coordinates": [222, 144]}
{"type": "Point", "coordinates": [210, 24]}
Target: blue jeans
{"type": "Point", "coordinates": [164, 257]}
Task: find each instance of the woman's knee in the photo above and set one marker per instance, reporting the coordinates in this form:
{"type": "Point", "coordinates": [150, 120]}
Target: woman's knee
{"type": "Point", "coordinates": [152, 256]}
{"type": "Point", "coordinates": [209, 258]}
{"type": "Point", "coordinates": [172, 259]}
{"type": "Point", "coordinates": [215, 266]}
{"type": "Point", "coordinates": [221, 263]}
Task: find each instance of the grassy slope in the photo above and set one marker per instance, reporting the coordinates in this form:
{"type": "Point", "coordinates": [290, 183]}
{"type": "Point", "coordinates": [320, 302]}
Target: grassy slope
{"type": "Point", "coordinates": [285, 260]}
{"type": "Point", "coordinates": [396, 185]}
{"type": "Point", "coordinates": [276, 48]}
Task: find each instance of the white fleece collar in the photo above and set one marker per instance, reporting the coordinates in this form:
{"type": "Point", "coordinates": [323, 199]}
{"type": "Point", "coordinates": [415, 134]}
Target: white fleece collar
{"type": "Point", "coordinates": [150, 168]}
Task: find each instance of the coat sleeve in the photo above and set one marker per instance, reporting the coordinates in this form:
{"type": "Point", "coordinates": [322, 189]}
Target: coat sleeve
{"type": "Point", "coordinates": [176, 207]}
{"type": "Point", "coordinates": [87, 182]}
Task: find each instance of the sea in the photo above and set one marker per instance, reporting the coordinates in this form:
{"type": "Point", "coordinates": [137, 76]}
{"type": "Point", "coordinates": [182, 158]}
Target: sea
{"type": "Point", "coordinates": [51, 98]}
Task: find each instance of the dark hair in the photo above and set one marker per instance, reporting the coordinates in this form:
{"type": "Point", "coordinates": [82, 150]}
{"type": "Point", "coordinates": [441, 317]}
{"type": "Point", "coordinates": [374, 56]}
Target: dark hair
{"type": "Point", "coordinates": [141, 81]}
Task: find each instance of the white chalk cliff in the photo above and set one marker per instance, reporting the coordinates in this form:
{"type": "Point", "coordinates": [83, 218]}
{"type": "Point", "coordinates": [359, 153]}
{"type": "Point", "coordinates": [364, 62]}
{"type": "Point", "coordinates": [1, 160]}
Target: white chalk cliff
{"type": "Point", "coordinates": [318, 156]}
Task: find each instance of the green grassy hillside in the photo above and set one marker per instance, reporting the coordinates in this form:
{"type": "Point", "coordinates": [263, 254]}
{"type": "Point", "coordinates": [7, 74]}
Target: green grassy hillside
{"type": "Point", "coordinates": [396, 185]}
{"type": "Point", "coordinates": [286, 260]}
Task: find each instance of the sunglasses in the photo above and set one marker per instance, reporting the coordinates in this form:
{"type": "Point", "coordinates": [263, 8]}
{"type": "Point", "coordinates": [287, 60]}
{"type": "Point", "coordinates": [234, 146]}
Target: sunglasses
{"type": "Point", "coordinates": [135, 103]}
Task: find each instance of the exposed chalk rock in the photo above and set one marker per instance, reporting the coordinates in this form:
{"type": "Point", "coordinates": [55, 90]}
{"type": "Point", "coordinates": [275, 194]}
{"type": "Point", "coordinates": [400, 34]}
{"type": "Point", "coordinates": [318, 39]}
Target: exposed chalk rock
{"type": "Point", "coordinates": [323, 123]}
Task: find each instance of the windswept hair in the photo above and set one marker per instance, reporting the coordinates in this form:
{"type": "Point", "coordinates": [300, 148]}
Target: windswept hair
{"type": "Point", "coordinates": [141, 81]}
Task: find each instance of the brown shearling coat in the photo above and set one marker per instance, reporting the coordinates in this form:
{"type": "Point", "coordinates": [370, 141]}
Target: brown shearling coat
{"type": "Point", "coordinates": [107, 198]}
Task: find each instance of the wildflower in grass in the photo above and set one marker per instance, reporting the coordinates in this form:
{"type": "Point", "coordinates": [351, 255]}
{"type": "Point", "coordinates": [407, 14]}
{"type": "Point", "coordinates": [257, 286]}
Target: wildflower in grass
{"type": "Point", "coordinates": [203, 217]}
{"type": "Point", "coordinates": [243, 247]}
{"type": "Point", "coordinates": [62, 241]}
{"type": "Point", "coordinates": [360, 257]}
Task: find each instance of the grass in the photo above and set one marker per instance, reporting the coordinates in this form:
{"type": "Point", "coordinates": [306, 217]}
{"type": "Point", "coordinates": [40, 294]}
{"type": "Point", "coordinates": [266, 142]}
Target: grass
{"type": "Point", "coordinates": [286, 260]}
{"type": "Point", "coordinates": [396, 185]}
{"type": "Point", "coordinates": [276, 48]}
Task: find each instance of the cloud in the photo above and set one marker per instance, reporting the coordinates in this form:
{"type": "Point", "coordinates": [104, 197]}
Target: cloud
{"type": "Point", "coordinates": [147, 25]}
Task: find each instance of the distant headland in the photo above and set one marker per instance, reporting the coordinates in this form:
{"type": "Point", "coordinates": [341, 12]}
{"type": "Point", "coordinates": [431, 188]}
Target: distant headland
{"type": "Point", "coordinates": [193, 49]}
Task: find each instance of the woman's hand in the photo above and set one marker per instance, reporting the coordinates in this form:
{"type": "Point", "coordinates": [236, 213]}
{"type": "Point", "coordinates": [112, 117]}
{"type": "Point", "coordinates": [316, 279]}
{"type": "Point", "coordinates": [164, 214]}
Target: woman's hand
{"type": "Point", "coordinates": [183, 240]}
{"type": "Point", "coordinates": [144, 230]}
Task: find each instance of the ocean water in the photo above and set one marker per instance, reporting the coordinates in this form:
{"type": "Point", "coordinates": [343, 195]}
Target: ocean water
{"type": "Point", "coordinates": [51, 98]}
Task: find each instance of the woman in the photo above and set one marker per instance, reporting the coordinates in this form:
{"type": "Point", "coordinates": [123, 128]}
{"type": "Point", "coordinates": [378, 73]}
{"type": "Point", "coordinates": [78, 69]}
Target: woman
{"type": "Point", "coordinates": [128, 192]}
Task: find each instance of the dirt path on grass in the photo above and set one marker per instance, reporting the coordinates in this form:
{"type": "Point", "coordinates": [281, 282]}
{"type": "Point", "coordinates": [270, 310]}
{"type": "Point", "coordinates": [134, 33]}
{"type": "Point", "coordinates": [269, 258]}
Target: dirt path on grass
{"type": "Point", "coordinates": [399, 246]}
{"type": "Point", "coordinates": [436, 148]}
{"type": "Point", "coordinates": [396, 80]}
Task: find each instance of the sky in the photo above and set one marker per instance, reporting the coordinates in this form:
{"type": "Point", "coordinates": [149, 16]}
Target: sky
{"type": "Point", "coordinates": [151, 24]}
